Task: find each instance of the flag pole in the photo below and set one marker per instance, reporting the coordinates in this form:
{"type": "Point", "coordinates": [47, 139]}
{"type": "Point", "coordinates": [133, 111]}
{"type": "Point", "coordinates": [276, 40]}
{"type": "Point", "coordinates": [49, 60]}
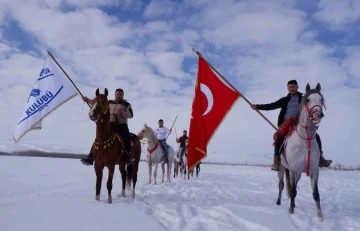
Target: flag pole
{"type": "Point", "coordinates": [67, 76]}
{"type": "Point", "coordinates": [222, 77]}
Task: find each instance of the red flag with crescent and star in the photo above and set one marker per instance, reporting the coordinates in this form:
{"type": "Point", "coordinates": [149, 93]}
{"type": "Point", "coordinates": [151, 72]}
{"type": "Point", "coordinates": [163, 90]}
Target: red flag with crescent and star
{"type": "Point", "coordinates": [212, 101]}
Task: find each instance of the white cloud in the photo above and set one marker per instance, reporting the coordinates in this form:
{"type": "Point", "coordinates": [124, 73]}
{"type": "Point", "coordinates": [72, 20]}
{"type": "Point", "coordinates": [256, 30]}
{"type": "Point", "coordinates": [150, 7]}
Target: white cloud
{"type": "Point", "coordinates": [252, 24]}
{"type": "Point", "coordinates": [173, 67]}
{"type": "Point", "coordinates": [338, 14]}
{"type": "Point", "coordinates": [258, 46]}
{"type": "Point", "coordinates": [158, 8]}
{"type": "Point", "coordinates": [72, 30]}
{"type": "Point", "coordinates": [351, 63]}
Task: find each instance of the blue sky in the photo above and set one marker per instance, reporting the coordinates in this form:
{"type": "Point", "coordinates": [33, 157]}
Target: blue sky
{"type": "Point", "coordinates": [145, 47]}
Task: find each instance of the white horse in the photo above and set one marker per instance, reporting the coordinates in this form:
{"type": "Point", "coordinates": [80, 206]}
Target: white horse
{"type": "Point", "coordinates": [156, 154]}
{"type": "Point", "coordinates": [301, 151]}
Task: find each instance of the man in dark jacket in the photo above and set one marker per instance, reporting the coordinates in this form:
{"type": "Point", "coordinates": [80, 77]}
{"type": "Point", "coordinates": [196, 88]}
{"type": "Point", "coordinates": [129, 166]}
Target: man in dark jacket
{"type": "Point", "coordinates": [120, 112]}
{"type": "Point", "coordinates": [290, 110]}
{"type": "Point", "coordinates": [182, 140]}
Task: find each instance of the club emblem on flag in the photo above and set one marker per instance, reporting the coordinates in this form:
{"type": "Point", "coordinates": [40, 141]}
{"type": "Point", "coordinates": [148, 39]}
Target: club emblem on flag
{"type": "Point", "coordinates": [46, 95]}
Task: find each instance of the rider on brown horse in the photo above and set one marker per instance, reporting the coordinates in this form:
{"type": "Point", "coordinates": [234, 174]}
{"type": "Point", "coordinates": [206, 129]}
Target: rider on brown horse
{"type": "Point", "coordinates": [289, 112]}
{"type": "Point", "coordinates": [120, 111]}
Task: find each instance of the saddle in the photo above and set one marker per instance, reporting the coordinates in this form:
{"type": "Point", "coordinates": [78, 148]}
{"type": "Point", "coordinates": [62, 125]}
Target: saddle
{"type": "Point", "coordinates": [286, 130]}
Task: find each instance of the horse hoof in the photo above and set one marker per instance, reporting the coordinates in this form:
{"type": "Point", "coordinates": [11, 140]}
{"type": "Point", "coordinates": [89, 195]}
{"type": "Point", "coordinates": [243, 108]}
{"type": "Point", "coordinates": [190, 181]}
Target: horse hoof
{"type": "Point", "coordinates": [278, 203]}
{"type": "Point", "coordinates": [97, 197]}
{"type": "Point", "coordinates": [109, 200]}
{"type": "Point", "coordinates": [321, 218]}
{"type": "Point", "coordinates": [291, 210]}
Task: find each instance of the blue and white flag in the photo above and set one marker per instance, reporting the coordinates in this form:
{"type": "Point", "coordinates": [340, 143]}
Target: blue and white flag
{"type": "Point", "coordinates": [51, 89]}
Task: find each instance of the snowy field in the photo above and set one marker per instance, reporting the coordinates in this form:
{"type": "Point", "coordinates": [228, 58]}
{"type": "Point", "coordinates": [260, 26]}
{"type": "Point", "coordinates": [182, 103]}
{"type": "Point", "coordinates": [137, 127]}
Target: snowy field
{"type": "Point", "coordinates": [59, 194]}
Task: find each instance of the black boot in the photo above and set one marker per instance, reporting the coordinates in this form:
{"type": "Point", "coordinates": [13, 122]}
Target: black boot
{"type": "Point", "coordinates": [323, 162]}
{"type": "Point", "coordinates": [277, 159]}
{"type": "Point", "coordinates": [128, 158]}
{"type": "Point", "coordinates": [88, 160]}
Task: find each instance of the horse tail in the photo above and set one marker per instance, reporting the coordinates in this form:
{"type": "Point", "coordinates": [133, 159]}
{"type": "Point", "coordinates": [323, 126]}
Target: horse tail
{"type": "Point", "coordinates": [288, 186]}
{"type": "Point", "coordinates": [129, 171]}
{"type": "Point", "coordinates": [132, 169]}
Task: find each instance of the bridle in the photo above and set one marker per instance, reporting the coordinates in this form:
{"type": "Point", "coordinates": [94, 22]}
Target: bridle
{"type": "Point", "coordinates": [105, 110]}
{"type": "Point", "coordinates": [306, 126]}
{"type": "Point", "coordinates": [308, 110]}
{"type": "Point", "coordinates": [100, 145]}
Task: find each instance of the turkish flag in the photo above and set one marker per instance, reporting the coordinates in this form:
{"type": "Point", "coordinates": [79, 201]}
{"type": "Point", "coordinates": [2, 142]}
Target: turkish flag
{"type": "Point", "coordinates": [212, 101]}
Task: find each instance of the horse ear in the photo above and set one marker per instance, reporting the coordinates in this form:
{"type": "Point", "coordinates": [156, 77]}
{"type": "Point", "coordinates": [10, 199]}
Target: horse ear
{"type": "Point", "coordinates": [318, 87]}
{"type": "Point", "coordinates": [97, 92]}
{"type": "Point", "coordinates": [106, 92]}
{"type": "Point", "coordinates": [307, 88]}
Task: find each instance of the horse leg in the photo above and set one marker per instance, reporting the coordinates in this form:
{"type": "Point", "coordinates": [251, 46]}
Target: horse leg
{"type": "Point", "coordinates": [169, 166]}
{"type": "Point", "coordinates": [163, 172]}
{"type": "Point", "coordinates": [134, 176]}
{"type": "Point", "coordinates": [281, 183]}
{"type": "Point", "coordinates": [123, 178]}
{"type": "Point", "coordinates": [174, 169]}
{"type": "Point", "coordinates": [99, 174]}
{"type": "Point", "coordinates": [184, 171]}
{"type": "Point", "coordinates": [295, 177]}
{"type": "Point", "coordinates": [109, 184]}
{"type": "Point", "coordinates": [155, 172]}
{"type": "Point", "coordinates": [314, 184]}
{"type": "Point", "coordinates": [150, 170]}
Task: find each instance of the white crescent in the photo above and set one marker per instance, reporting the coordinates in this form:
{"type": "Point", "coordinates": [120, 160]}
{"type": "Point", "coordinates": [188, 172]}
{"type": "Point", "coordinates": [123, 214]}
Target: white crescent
{"type": "Point", "coordinates": [209, 96]}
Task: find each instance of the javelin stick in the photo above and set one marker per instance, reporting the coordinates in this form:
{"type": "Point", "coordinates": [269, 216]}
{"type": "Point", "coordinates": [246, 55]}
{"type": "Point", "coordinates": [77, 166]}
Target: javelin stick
{"type": "Point", "coordinates": [176, 137]}
{"type": "Point", "coordinates": [172, 125]}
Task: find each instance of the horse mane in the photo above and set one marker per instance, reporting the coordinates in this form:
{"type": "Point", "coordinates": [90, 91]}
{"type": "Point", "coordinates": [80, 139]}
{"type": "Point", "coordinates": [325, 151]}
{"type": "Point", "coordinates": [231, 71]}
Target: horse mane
{"type": "Point", "coordinates": [306, 95]}
{"type": "Point", "coordinates": [152, 133]}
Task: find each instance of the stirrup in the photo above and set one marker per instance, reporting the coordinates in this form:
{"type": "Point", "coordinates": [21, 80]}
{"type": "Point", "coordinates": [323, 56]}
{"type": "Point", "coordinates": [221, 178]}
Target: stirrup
{"type": "Point", "coordinates": [276, 165]}
{"type": "Point", "coordinates": [129, 160]}
{"type": "Point", "coordinates": [87, 161]}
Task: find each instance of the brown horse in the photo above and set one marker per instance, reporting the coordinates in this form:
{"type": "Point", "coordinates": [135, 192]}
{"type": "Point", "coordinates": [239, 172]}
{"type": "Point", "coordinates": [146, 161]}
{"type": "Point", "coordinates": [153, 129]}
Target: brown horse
{"type": "Point", "coordinates": [108, 149]}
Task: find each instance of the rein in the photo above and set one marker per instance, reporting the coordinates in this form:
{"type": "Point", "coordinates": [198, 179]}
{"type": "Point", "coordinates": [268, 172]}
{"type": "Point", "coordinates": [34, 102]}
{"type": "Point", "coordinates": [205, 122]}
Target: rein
{"type": "Point", "coordinates": [309, 137]}
{"type": "Point", "coordinates": [101, 145]}
{"type": "Point", "coordinates": [150, 151]}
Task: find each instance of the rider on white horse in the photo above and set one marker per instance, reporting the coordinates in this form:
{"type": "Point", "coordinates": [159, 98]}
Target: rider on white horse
{"type": "Point", "coordinates": [182, 140]}
{"type": "Point", "coordinates": [290, 110]}
{"type": "Point", "coordinates": [161, 134]}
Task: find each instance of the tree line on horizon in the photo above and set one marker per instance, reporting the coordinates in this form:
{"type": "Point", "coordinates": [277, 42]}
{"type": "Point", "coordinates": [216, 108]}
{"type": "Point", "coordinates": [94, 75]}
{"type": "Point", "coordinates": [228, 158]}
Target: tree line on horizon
{"type": "Point", "coordinates": [38, 153]}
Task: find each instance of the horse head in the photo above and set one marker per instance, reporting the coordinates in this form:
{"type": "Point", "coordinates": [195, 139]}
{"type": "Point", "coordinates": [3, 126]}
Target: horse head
{"type": "Point", "coordinates": [144, 131]}
{"type": "Point", "coordinates": [313, 103]}
{"type": "Point", "coordinates": [100, 108]}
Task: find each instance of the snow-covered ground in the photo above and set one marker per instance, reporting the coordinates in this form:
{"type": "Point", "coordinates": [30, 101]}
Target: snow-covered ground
{"type": "Point", "coordinates": [59, 194]}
